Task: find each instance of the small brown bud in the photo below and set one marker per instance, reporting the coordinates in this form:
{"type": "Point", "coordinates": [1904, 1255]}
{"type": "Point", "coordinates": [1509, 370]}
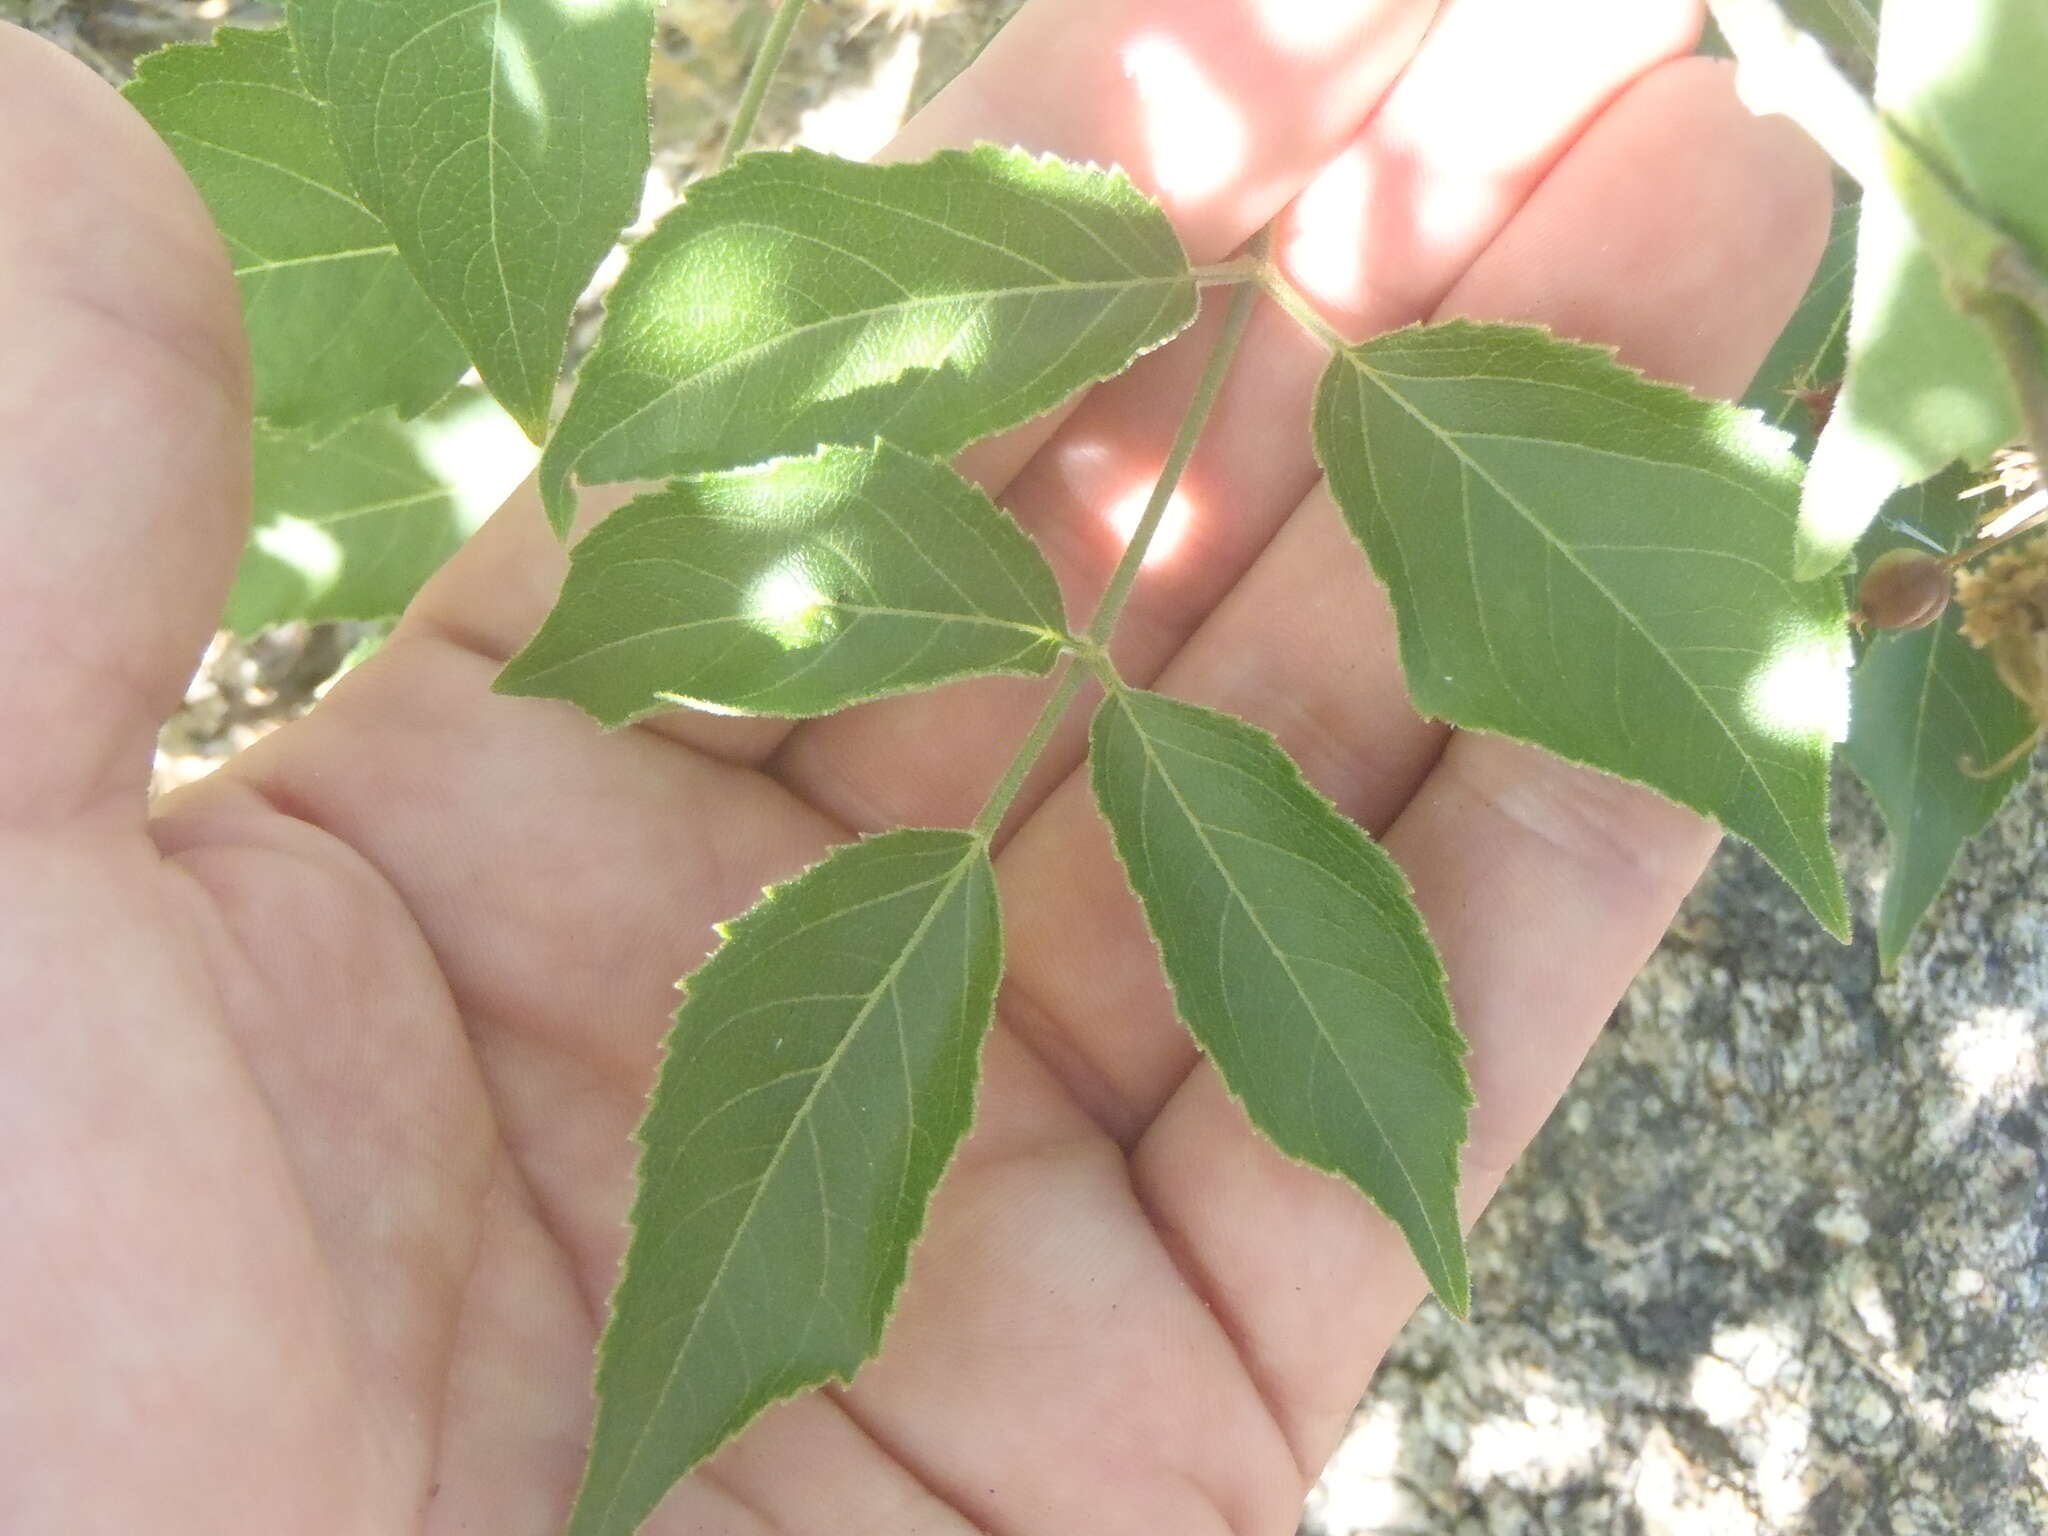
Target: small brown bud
{"type": "Point", "coordinates": [1903, 589]}
{"type": "Point", "coordinates": [1819, 401]}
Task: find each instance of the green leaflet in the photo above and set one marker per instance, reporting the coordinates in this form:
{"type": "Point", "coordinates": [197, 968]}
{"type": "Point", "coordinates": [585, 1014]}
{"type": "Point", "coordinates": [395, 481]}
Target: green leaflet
{"type": "Point", "coordinates": [1925, 386]}
{"type": "Point", "coordinates": [818, 1079]}
{"type": "Point", "coordinates": [1297, 959]}
{"type": "Point", "coordinates": [1922, 702]}
{"type": "Point", "coordinates": [797, 588]}
{"type": "Point", "coordinates": [503, 143]}
{"type": "Point", "coordinates": [1598, 564]}
{"type": "Point", "coordinates": [1848, 29]}
{"type": "Point", "coordinates": [337, 326]}
{"type": "Point", "coordinates": [797, 299]}
{"type": "Point", "coordinates": [350, 522]}
{"type": "Point", "coordinates": [1813, 351]}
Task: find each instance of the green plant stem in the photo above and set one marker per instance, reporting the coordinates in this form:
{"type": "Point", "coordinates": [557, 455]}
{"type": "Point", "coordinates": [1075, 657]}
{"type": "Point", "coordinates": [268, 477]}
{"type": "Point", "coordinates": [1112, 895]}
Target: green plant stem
{"type": "Point", "coordinates": [2017, 331]}
{"type": "Point", "coordinates": [1244, 269]}
{"type": "Point", "coordinates": [1305, 314]}
{"type": "Point", "coordinates": [2013, 274]}
{"type": "Point", "coordinates": [1090, 649]}
{"type": "Point", "coordinates": [766, 63]}
{"type": "Point", "coordinates": [1004, 795]}
{"type": "Point", "coordinates": [1103, 625]}
{"type": "Point", "coordinates": [2011, 535]}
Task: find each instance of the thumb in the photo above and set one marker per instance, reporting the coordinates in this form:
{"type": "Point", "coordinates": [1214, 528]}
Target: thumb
{"type": "Point", "coordinates": [124, 424]}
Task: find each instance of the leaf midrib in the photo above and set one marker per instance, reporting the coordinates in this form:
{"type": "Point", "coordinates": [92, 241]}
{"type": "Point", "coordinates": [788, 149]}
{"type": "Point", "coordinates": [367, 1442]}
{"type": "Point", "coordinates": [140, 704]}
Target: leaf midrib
{"type": "Point", "coordinates": [857, 610]}
{"type": "Point", "coordinates": [1201, 831]}
{"type": "Point", "coordinates": [1756, 769]}
{"type": "Point", "coordinates": [798, 1119]}
{"type": "Point", "coordinates": [746, 356]}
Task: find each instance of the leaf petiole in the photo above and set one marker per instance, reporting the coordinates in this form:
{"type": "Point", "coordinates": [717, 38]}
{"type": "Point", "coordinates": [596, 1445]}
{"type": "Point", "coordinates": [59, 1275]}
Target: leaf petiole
{"type": "Point", "coordinates": [1090, 649]}
{"type": "Point", "coordinates": [1103, 625]}
{"type": "Point", "coordinates": [1304, 314]}
{"type": "Point", "coordinates": [1243, 269]}
{"type": "Point", "coordinates": [2013, 308]}
{"type": "Point", "coordinates": [1004, 795]}
{"type": "Point", "coordinates": [759, 78]}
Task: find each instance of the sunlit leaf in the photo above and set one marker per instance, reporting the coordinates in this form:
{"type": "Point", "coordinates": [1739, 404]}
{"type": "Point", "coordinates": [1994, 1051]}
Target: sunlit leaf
{"type": "Point", "coordinates": [1805, 367]}
{"type": "Point", "coordinates": [797, 588]}
{"type": "Point", "coordinates": [503, 143]}
{"type": "Point", "coordinates": [1927, 708]}
{"type": "Point", "coordinates": [818, 1079]}
{"type": "Point", "coordinates": [797, 299]}
{"type": "Point", "coordinates": [1600, 565]}
{"type": "Point", "coordinates": [351, 521]}
{"type": "Point", "coordinates": [1925, 386]}
{"type": "Point", "coordinates": [1297, 959]}
{"type": "Point", "coordinates": [337, 326]}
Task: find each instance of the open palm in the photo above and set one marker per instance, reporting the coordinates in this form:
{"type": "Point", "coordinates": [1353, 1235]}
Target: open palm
{"type": "Point", "coordinates": [318, 1086]}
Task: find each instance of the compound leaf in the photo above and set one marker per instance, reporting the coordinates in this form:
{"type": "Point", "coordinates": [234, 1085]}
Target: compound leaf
{"type": "Point", "coordinates": [796, 588]}
{"type": "Point", "coordinates": [1925, 385]}
{"type": "Point", "coordinates": [337, 326]}
{"type": "Point", "coordinates": [503, 143]}
{"type": "Point", "coordinates": [819, 1077]}
{"type": "Point", "coordinates": [1598, 564]}
{"type": "Point", "coordinates": [798, 299]}
{"type": "Point", "coordinates": [1297, 959]}
{"type": "Point", "coordinates": [1926, 707]}
{"type": "Point", "coordinates": [350, 522]}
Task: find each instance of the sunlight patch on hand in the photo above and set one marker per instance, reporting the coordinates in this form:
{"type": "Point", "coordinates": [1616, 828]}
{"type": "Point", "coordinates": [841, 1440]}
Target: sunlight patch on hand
{"type": "Point", "coordinates": [1323, 248]}
{"type": "Point", "coordinates": [1129, 510]}
{"type": "Point", "coordinates": [1196, 135]}
{"type": "Point", "coordinates": [1310, 28]}
{"type": "Point", "coordinates": [478, 451]}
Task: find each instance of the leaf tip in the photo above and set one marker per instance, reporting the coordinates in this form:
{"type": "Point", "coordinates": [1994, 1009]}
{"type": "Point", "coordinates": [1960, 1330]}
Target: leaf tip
{"type": "Point", "coordinates": [529, 408]}
{"type": "Point", "coordinates": [557, 491]}
{"type": "Point", "coordinates": [1816, 556]}
{"type": "Point", "coordinates": [1454, 1291]}
{"type": "Point", "coordinates": [1833, 910]}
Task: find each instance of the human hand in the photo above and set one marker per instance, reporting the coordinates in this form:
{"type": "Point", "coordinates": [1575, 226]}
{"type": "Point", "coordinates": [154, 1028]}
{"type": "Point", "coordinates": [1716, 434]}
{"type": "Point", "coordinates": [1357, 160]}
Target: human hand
{"type": "Point", "coordinates": [319, 1085]}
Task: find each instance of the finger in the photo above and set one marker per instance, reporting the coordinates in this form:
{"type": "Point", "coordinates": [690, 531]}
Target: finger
{"type": "Point", "coordinates": [1046, 1369]}
{"type": "Point", "coordinates": [1222, 110]}
{"type": "Point", "coordinates": [1382, 232]}
{"type": "Point", "coordinates": [123, 431]}
{"type": "Point", "coordinates": [1545, 886]}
